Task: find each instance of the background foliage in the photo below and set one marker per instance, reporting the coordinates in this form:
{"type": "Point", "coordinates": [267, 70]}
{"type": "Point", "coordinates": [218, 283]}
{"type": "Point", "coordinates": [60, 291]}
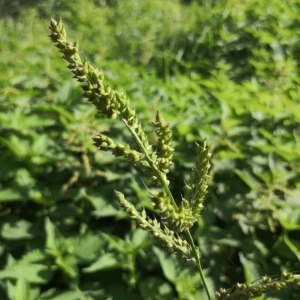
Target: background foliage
{"type": "Point", "coordinates": [227, 71]}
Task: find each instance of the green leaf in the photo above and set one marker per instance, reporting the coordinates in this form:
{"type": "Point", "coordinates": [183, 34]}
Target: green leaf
{"type": "Point", "coordinates": [17, 146]}
{"type": "Point", "coordinates": [289, 218]}
{"type": "Point", "coordinates": [32, 273]}
{"type": "Point", "coordinates": [251, 271]}
{"type": "Point", "coordinates": [39, 146]}
{"type": "Point", "coordinates": [68, 264]}
{"type": "Point", "coordinates": [247, 178]}
{"type": "Point", "coordinates": [88, 247]}
{"type": "Point", "coordinates": [33, 256]}
{"type": "Point", "coordinates": [293, 245]}
{"type": "Point", "coordinates": [21, 291]}
{"type": "Point", "coordinates": [105, 262]}
{"type": "Point", "coordinates": [140, 239]}
{"type": "Point", "coordinates": [116, 242]}
{"type": "Point", "coordinates": [51, 236]}
{"type": "Point", "coordinates": [167, 264]}
{"type": "Point", "coordinates": [16, 229]}
{"type": "Point", "coordinates": [9, 195]}
{"type": "Point", "coordinates": [69, 295]}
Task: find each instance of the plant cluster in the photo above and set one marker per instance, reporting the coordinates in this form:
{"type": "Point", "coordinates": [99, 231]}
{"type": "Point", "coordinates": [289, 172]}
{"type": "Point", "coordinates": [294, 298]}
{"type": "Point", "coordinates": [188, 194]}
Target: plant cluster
{"type": "Point", "coordinates": [219, 71]}
{"type": "Point", "coordinates": [175, 218]}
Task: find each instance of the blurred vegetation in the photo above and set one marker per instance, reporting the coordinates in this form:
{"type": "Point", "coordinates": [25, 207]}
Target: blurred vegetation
{"type": "Point", "coordinates": [227, 71]}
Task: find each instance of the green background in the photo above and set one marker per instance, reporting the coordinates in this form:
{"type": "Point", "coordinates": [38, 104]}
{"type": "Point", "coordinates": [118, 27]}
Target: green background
{"type": "Point", "coordinates": [227, 71]}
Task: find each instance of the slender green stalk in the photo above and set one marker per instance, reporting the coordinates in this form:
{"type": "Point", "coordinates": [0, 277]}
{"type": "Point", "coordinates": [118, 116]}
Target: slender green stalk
{"type": "Point", "coordinates": [198, 263]}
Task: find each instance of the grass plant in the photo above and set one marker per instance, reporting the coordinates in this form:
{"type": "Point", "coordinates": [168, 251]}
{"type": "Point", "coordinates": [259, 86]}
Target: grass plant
{"type": "Point", "coordinates": [174, 217]}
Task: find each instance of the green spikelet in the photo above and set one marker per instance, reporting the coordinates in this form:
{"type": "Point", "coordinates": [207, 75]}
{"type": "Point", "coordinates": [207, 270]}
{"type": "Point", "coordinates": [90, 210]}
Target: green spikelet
{"type": "Point", "coordinates": [165, 236]}
{"type": "Point", "coordinates": [107, 144]}
{"type": "Point", "coordinates": [177, 219]}
{"type": "Point", "coordinates": [165, 147]}
{"type": "Point", "coordinates": [196, 189]}
{"type": "Point", "coordinates": [266, 284]}
{"type": "Point", "coordinates": [108, 102]}
{"type": "Point", "coordinates": [183, 216]}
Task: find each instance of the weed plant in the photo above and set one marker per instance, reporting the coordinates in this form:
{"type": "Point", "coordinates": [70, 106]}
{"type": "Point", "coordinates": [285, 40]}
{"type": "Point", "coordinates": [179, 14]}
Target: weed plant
{"type": "Point", "coordinates": [174, 216]}
{"type": "Point", "coordinates": [221, 71]}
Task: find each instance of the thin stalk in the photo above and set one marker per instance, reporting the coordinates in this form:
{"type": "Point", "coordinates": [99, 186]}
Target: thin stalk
{"type": "Point", "coordinates": [198, 263]}
{"type": "Point", "coordinates": [167, 190]}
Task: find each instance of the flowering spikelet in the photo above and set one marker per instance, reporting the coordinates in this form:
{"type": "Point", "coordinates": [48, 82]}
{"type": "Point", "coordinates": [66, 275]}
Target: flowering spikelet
{"type": "Point", "coordinates": [107, 144]}
{"type": "Point", "coordinates": [177, 219]}
{"type": "Point", "coordinates": [196, 189]}
{"type": "Point", "coordinates": [183, 216]}
{"type": "Point", "coordinates": [108, 102]}
{"type": "Point", "coordinates": [241, 291]}
{"type": "Point", "coordinates": [165, 147]}
{"type": "Point", "coordinates": [165, 236]}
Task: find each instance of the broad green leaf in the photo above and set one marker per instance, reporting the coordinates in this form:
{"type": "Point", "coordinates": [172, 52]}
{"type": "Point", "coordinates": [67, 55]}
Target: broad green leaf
{"type": "Point", "coordinates": [17, 146]}
{"type": "Point", "coordinates": [251, 271]}
{"type": "Point", "coordinates": [88, 247]}
{"type": "Point", "coordinates": [94, 293]}
{"type": "Point", "coordinates": [105, 262]}
{"type": "Point", "coordinates": [32, 273]}
{"type": "Point", "coordinates": [33, 256]}
{"type": "Point", "coordinates": [8, 195]}
{"type": "Point", "coordinates": [167, 264]}
{"type": "Point", "coordinates": [51, 236]}
{"type": "Point", "coordinates": [293, 245]}
{"type": "Point", "coordinates": [281, 248]}
{"type": "Point", "coordinates": [68, 264]}
{"type": "Point", "coordinates": [16, 230]}
{"type": "Point", "coordinates": [69, 295]}
{"type": "Point", "coordinates": [22, 290]}
{"type": "Point", "coordinates": [39, 147]}
{"type": "Point", "coordinates": [140, 239]}
{"type": "Point", "coordinates": [116, 242]}
{"type": "Point", "coordinates": [289, 218]}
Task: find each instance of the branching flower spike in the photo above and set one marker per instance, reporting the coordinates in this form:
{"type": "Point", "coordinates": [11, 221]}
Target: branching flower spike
{"type": "Point", "coordinates": [243, 292]}
{"type": "Point", "coordinates": [196, 190]}
{"type": "Point", "coordinates": [107, 144]}
{"type": "Point", "coordinates": [107, 101]}
{"type": "Point", "coordinates": [174, 218]}
{"type": "Point", "coordinates": [165, 236]}
{"type": "Point", "coordinates": [165, 146]}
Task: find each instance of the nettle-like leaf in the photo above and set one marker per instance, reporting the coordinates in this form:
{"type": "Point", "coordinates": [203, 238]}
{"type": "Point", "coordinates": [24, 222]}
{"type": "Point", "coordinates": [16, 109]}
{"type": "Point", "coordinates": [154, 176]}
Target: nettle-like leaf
{"type": "Point", "coordinates": [14, 229]}
{"type": "Point", "coordinates": [87, 247]}
{"type": "Point", "coordinates": [32, 273]}
{"type": "Point", "coordinates": [21, 290]}
{"type": "Point", "coordinates": [106, 262]}
{"type": "Point", "coordinates": [61, 250]}
{"type": "Point", "coordinates": [34, 256]}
